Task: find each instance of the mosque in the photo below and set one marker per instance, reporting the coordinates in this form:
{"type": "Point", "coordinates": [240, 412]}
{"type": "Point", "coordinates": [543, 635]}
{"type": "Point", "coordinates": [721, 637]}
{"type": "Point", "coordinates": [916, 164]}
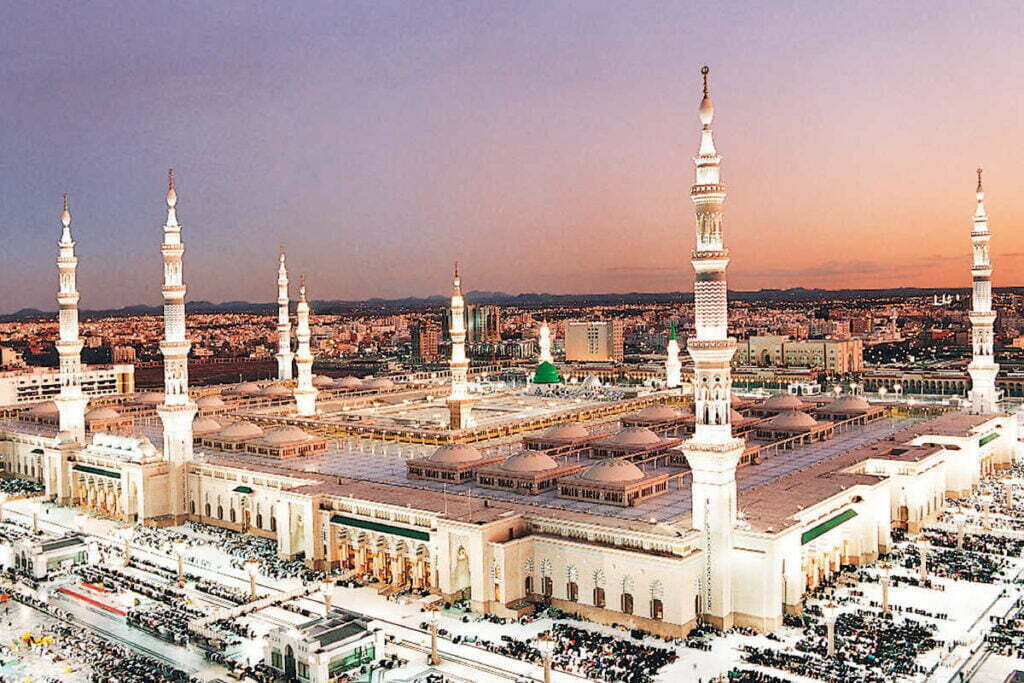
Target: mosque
{"type": "Point", "coordinates": [656, 510]}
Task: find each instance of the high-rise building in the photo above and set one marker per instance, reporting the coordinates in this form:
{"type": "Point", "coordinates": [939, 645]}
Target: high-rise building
{"type": "Point", "coordinates": [426, 338]}
{"type": "Point", "coordinates": [599, 341]}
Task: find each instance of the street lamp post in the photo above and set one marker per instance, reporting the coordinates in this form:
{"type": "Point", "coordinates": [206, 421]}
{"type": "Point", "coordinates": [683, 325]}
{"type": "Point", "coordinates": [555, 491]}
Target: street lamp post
{"type": "Point", "coordinates": [252, 568]}
{"type": "Point", "coordinates": [328, 587]}
{"type": "Point", "coordinates": [1006, 482]}
{"type": "Point", "coordinates": [179, 552]}
{"type": "Point", "coordinates": [435, 659]}
{"type": "Point", "coordinates": [831, 613]}
{"type": "Point", "coordinates": [886, 581]}
{"type": "Point", "coordinates": [922, 548]}
{"type": "Point", "coordinates": [986, 505]}
{"type": "Point", "coordinates": [960, 537]}
{"type": "Point", "coordinates": [546, 645]}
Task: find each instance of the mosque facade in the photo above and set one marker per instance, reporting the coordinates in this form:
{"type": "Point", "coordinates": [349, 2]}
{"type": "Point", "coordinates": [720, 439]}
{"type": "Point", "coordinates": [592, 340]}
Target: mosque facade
{"type": "Point", "coordinates": [657, 519]}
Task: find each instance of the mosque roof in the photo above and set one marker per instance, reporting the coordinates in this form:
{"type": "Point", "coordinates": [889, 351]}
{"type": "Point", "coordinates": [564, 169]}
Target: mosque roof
{"type": "Point", "coordinates": [612, 470]}
{"type": "Point", "coordinates": [529, 461]}
{"type": "Point", "coordinates": [44, 409]}
{"type": "Point", "coordinates": [102, 413]}
{"type": "Point", "coordinates": [632, 437]}
{"type": "Point", "coordinates": [149, 398]}
{"type": "Point", "coordinates": [348, 382]}
{"type": "Point", "coordinates": [379, 383]}
{"type": "Point", "coordinates": [567, 431]}
{"type": "Point", "coordinates": [655, 413]}
{"type": "Point", "coordinates": [210, 401]}
{"type": "Point", "coordinates": [239, 431]}
{"type": "Point", "coordinates": [287, 434]}
{"type": "Point", "coordinates": [455, 453]}
{"type": "Point", "coordinates": [322, 381]}
{"type": "Point", "coordinates": [202, 426]}
{"type": "Point", "coordinates": [849, 404]}
{"type": "Point", "coordinates": [275, 389]}
{"type": "Point", "coordinates": [546, 373]}
{"type": "Point", "coordinates": [792, 419]}
{"type": "Point", "coordinates": [783, 402]}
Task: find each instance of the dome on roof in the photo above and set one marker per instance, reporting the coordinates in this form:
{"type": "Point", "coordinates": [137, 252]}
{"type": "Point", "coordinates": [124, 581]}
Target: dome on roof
{"type": "Point", "coordinates": [44, 409]}
{"type": "Point", "coordinates": [455, 453]}
{"type": "Point", "coordinates": [241, 430]}
{"type": "Point", "coordinates": [546, 373]}
{"type": "Point", "coordinates": [567, 431]}
{"type": "Point", "coordinates": [149, 398]}
{"type": "Point", "coordinates": [792, 419]}
{"type": "Point", "coordinates": [379, 383]}
{"type": "Point", "coordinates": [783, 402]}
{"type": "Point", "coordinates": [245, 388]}
{"type": "Point", "coordinates": [612, 470]}
{"type": "Point", "coordinates": [102, 413]}
{"type": "Point", "coordinates": [348, 382]}
{"type": "Point", "coordinates": [591, 381]}
{"type": "Point", "coordinates": [735, 416]}
{"type": "Point", "coordinates": [275, 389]}
{"type": "Point", "coordinates": [210, 401]}
{"type": "Point", "coordinates": [322, 381]}
{"type": "Point", "coordinates": [529, 461]}
{"type": "Point", "coordinates": [655, 413]}
{"type": "Point", "coordinates": [632, 437]}
{"type": "Point", "coordinates": [201, 426]}
{"type": "Point", "coordinates": [65, 437]}
{"type": "Point", "coordinates": [849, 404]}
{"type": "Point", "coordinates": [285, 435]}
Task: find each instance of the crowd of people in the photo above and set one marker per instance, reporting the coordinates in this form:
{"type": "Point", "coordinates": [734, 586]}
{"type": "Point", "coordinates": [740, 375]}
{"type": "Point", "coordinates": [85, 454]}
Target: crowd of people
{"type": "Point", "coordinates": [958, 565]}
{"type": "Point", "coordinates": [594, 655]}
{"type": "Point", "coordinates": [20, 487]}
{"type": "Point", "coordinates": [109, 661]}
{"type": "Point", "coordinates": [976, 542]}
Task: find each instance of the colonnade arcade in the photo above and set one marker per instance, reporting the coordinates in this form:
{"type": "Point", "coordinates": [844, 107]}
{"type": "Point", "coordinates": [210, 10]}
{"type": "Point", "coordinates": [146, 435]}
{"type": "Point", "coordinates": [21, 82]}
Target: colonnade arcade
{"type": "Point", "coordinates": [396, 562]}
{"type": "Point", "coordinates": [97, 494]}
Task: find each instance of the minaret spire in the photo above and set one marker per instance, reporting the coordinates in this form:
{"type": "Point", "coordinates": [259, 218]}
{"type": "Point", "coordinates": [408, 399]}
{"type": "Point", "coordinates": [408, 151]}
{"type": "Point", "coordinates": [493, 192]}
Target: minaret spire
{"type": "Point", "coordinates": [284, 327]}
{"type": "Point", "coordinates": [712, 452]}
{"type": "Point", "coordinates": [305, 392]}
{"type": "Point", "coordinates": [982, 368]}
{"type": "Point", "coordinates": [71, 402]}
{"type": "Point", "coordinates": [178, 409]}
{"type": "Point", "coordinates": [459, 405]}
{"type": "Point", "coordinates": [673, 366]}
{"type": "Point", "coordinates": [544, 344]}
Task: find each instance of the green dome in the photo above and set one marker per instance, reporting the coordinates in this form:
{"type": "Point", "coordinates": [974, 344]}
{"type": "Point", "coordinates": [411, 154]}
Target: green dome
{"type": "Point", "coordinates": [546, 374]}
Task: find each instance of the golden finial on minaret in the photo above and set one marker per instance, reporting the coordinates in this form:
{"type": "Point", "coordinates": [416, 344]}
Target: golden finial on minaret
{"type": "Point", "coordinates": [979, 179]}
{"type": "Point", "coordinates": [65, 216]}
{"type": "Point", "coordinates": [172, 196]}
{"type": "Point", "coordinates": [281, 247]}
{"type": "Point", "coordinates": [456, 270]}
{"type": "Point", "coordinates": [170, 179]}
{"type": "Point", "coordinates": [704, 70]}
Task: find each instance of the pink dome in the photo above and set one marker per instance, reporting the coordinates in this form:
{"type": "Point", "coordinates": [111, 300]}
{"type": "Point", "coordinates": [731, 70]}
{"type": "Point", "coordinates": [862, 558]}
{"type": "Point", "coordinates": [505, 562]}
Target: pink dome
{"type": "Point", "coordinates": [613, 470]}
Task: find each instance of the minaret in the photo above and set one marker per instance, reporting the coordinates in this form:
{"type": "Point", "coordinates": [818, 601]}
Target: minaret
{"type": "Point", "coordinates": [178, 409]}
{"type": "Point", "coordinates": [305, 393]}
{"type": "Point", "coordinates": [71, 402]}
{"type": "Point", "coordinates": [982, 367]}
{"type": "Point", "coordinates": [712, 451]}
{"type": "Point", "coordinates": [284, 326]}
{"type": "Point", "coordinates": [544, 344]}
{"type": "Point", "coordinates": [459, 403]}
{"type": "Point", "coordinates": [673, 366]}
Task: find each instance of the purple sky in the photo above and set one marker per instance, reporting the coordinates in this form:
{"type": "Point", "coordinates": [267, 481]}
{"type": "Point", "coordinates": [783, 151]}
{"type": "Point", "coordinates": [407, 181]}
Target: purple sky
{"type": "Point", "coordinates": [545, 144]}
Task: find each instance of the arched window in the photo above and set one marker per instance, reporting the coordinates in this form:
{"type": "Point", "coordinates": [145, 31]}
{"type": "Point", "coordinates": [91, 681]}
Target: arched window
{"type": "Point", "coordinates": [220, 512]}
{"type": "Point", "coordinates": [598, 597]}
{"type": "Point", "coordinates": [572, 591]}
{"type": "Point", "coordinates": [657, 610]}
{"type": "Point", "coordinates": [259, 520]}
{"type": "Point", "coordinates": [528, 583]}
{"type": "Point", "coordinates": [273, 523]}
{"type": "Point", "coordinates": [192, 507]}
{"type": "Point", "coordinates": [207, 509]}
{"type": "Point", "coordinates": [232, 515]}
{"type": "Point", "coordinates": [548, 586]}
{"type": "Point", "coordinates": [627, 603]}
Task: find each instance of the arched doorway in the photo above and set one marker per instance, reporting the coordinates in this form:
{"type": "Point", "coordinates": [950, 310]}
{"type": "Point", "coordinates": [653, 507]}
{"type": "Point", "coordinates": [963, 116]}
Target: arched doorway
{"type": "Point", "coordinates": [289, 663]}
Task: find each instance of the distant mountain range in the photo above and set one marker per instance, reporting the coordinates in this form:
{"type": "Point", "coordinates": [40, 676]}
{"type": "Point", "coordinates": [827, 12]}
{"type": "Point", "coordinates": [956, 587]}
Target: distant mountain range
{"type": "Point", "coordinates": [526, 300]}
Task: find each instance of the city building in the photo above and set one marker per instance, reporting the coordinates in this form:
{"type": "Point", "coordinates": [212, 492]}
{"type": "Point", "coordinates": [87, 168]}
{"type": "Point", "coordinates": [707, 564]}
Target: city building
{"type": "Point", "coordinates": [838, 356]}
{"type": "Point", "coordinates": [593, 341]}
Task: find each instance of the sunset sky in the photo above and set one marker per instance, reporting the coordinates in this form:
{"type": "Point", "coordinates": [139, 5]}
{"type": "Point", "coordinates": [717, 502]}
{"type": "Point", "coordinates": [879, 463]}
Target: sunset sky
{"type": "Point", "coordinates": [547, 145]}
